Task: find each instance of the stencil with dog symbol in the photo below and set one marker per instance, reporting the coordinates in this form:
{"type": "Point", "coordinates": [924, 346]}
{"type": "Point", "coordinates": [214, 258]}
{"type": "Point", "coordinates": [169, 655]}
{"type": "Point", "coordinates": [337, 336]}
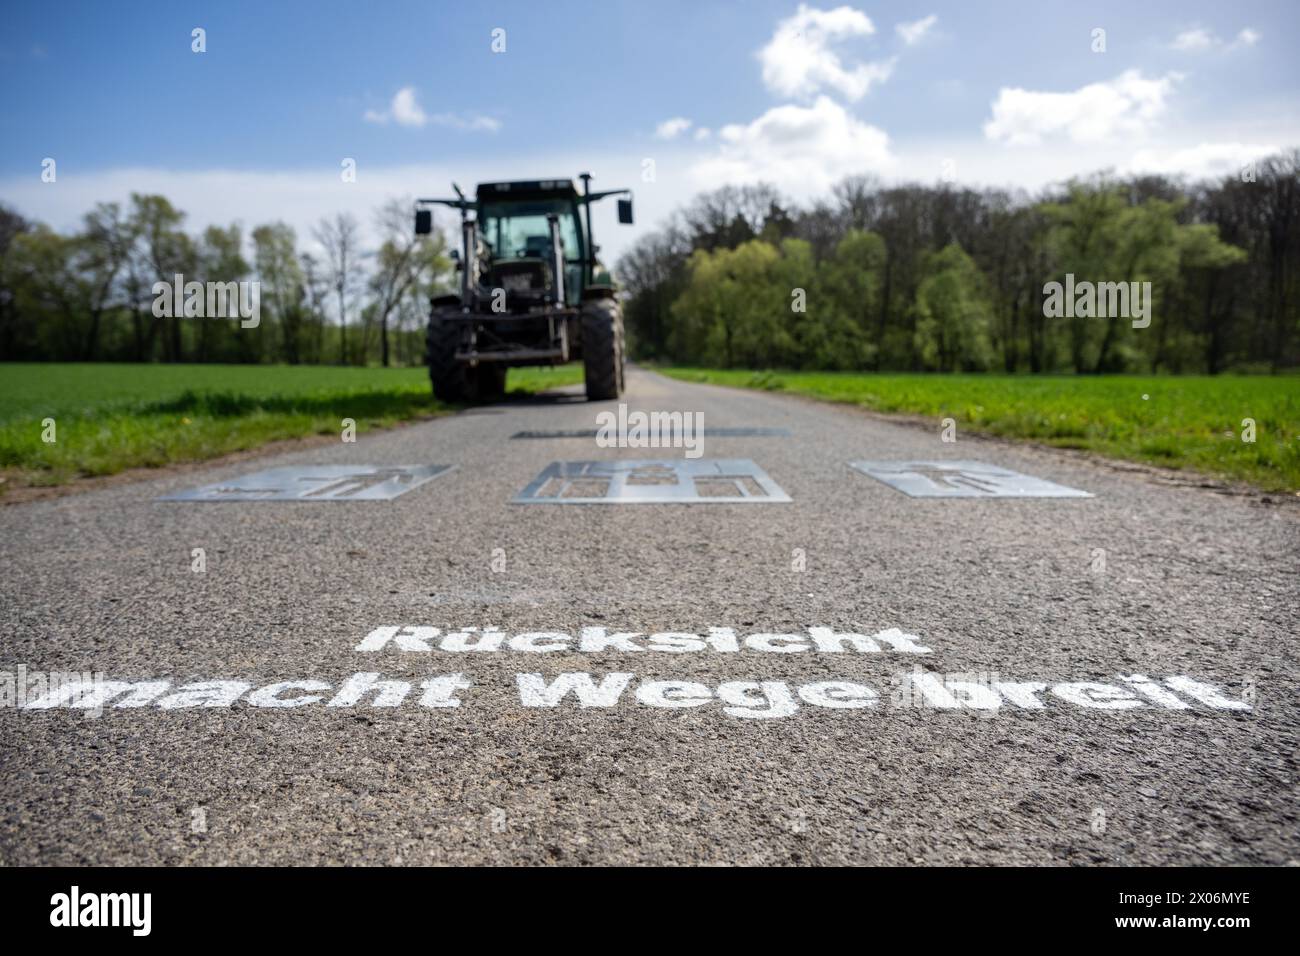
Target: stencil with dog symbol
{"type": "Point", "coordinates": [962, 479]}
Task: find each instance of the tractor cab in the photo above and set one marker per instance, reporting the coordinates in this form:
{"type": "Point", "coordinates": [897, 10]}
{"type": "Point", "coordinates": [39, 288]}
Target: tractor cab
{"type": "Point", "coordinates": [515, 226]}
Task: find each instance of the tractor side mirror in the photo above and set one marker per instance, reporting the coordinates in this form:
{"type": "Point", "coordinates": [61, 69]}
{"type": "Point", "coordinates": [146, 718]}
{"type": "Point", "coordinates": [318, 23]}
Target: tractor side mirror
{"type": "Point", "coordinates": [625, 211]}
{"type": "Point", "coordinates": [423, 222]}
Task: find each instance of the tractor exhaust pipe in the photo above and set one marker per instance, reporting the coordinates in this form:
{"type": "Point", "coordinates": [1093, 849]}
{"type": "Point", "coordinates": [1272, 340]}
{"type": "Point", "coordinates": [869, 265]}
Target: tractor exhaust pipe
{"type": "Point", "coordinates": [588, 268]}
{"type": "Point", "coordinates": [557, 257]}
{"type": "Point", "coordinates": [469, 262]}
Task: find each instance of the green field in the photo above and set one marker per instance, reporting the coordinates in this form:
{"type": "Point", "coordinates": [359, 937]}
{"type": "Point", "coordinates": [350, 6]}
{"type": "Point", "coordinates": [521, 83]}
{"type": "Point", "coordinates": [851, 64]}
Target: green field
{"type": "Point", "coordinates": [111, 417]}
{"type": "Point", "coordinates": [1190, 422]}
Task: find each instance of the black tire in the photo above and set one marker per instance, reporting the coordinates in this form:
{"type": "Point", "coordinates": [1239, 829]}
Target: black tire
{"type": "Point", "coordinates": [450, 380]}
{"type": "Point", "coordinates": [603, 356]}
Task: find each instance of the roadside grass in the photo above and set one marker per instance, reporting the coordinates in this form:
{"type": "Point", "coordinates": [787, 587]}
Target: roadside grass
{"type": "Point", "coordinates": [111, 417]}
{"type": "Point", "coordinates": [1192, 422]}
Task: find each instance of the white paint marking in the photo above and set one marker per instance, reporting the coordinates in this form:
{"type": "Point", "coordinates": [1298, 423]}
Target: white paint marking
{"type": "Point", "coordinates": [673, 693]}
{"type": "Point", "coordinates": [1097, 696]}
{"type": "Point", "coordinates": [599, 639]}
{"type": "Point", "coordinates": [774, 699]}
{"type": "Point", "coordinates": [838, 695]}
{"type": "Point", "coordinates": [441, 691]}
{"type": "Point", "coordinates": [534, 691]}
{"type": "Point", "coordinates": [388, 693]}
{"type": "Point", "coordinates": [777, 643]}
{"type": "Point", "coordinates": [1154, 692]}
{"type": "Point", "coordinates": [1207, 695]}
{"type": "Point", "coordinates": [212, 693]}
{"type": "Point", "coordinates": [269, 696]}
{"type": "Point", "coordinates": [1022, 693]}
{"type": "Point", "coordinates": [540, 642]}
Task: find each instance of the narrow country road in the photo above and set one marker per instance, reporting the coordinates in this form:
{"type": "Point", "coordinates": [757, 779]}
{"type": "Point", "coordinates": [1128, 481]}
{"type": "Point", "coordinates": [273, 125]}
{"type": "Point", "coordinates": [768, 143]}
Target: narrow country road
{"type": "Point", "coordinates": [988, 712]}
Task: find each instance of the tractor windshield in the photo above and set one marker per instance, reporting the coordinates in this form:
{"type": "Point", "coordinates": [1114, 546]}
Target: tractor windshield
{"type": "Point", "coordinates": [519, 230]}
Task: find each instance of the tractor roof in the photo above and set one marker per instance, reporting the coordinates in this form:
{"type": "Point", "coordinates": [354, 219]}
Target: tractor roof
{"type": "Point", "coordinates": [527, 189]}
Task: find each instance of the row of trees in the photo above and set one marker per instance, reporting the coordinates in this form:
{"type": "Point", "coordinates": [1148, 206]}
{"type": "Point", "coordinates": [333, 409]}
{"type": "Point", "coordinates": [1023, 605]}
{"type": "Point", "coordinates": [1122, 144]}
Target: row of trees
{"type": "Point", "coordinates": [943, 278]}
{"type": "Point", "coordinates": [872, 277]}
{"type": "Point", "coordinates": [89, 296]}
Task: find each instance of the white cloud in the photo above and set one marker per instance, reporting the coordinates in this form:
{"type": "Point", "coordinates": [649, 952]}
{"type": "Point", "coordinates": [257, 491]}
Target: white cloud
{"type": "Point", "coordinates": [1199, 39]}
{"type": "Point", "coordinates": [672, 128]}
{"type": "Point", "coordinates": [1125, 106]}
{"type": "Point", "coordinates": [702, 134]}
{"type": "Point", "coordinates": [913, 32]}
{"type": "Point", "coordinates": [1247, 37]}
{"type": "Point", "coordinates": [801, 150]}
{"type": "Point", "coordinates": [1205, 160]}
{"type": "Point", "coordinates": [798, 62]}
{"type": "Point", "coordinates": [476, 122]}
{"type": "Point", "coordinates": [978, 163]}
{"type": "Point", "coordinates": [1195, 40]}
{"type": "Point", "coordinates": [405, 110]}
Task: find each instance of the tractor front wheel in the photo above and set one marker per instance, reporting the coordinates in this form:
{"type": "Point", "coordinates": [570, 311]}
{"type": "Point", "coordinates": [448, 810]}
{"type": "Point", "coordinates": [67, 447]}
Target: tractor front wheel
{"type": "Point", "coordinates": [450, 380]}
{"type": "Point", "coordinates": [454, 381]}
{"type": "Point", "coordinates": [603, 356]}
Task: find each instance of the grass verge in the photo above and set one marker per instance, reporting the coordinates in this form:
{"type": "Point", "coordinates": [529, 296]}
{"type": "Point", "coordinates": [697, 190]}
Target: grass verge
{"type": "Point", "coordinates": [108, 417]}
{"type": "Point", "coordinates": [1193, 422]}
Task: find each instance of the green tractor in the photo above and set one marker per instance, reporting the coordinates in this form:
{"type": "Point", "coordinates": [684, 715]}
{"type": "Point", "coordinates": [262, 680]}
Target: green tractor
{"type": "Point", "coordinates": [531, 290]}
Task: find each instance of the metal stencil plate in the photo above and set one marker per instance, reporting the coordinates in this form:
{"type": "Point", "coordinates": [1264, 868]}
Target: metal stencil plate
{"type": "Point", "coordinates": [317, 483]}
{"type": "Point", "coordinates": [655, 481]}
{"type": "Point", "coordinates": [962, 479]}
{"type": "Point", "coordinates": [706, 432]}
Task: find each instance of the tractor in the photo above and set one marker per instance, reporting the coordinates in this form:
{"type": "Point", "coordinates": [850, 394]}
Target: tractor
{"type": "Point", "coordinates": [531, 290]}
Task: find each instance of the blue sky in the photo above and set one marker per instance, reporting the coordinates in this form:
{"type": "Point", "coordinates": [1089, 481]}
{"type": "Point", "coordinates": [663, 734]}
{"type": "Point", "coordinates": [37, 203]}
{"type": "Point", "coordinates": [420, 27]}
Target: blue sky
{"type": "Point", "coordinates": [255, 128]}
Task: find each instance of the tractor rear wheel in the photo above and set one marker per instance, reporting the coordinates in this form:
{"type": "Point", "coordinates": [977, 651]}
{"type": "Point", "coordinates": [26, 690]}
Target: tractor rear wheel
{"type": "Point", "coordinates": [603, 355]}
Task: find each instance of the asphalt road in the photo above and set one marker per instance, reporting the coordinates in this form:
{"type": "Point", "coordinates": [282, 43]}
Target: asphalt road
{"type": "Point", "coordinates": [1145, 577]}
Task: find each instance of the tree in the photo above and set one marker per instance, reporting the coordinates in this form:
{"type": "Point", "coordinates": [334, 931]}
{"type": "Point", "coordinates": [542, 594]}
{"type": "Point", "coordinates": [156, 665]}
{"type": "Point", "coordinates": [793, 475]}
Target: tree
{"type": "Point", "coordinates": [952, 308]}
{"type": "Point", "coordinates": [402, 260]}
{"type": "Point", "coordinates": [50, 294]}
{"type": "Point", "coordinates": [221, 259]}
{"type": "Point", "coordinates": [653, 274]}
{"type": "Point", "coordinates": [1280, 199]}
{"type": "Point", "coordinates": [105, 246]}
{"type": "Point", "coordinates": [851, 287]}
{"type": "Point", "coordinates": [727, 217]}
{"type": "Point", "coordinates": [165, 251]}
{"type": "Point", "coordinates": [315, 289]}
{"type": "Point", "coordinates": [1244, 305]}
{"type": "Point", "coordinates": [282, 283]}
{"type": "Point", "coordinates": [736, 307]}
{"type": "Point", "coordinates": [12, 225]}
{"type": "Point", "coordinates": [1202, 257]}
{"type": "Point", "coordinates": [339, 237]}
{"type": "Point", "coordinates": [1100, 234]}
